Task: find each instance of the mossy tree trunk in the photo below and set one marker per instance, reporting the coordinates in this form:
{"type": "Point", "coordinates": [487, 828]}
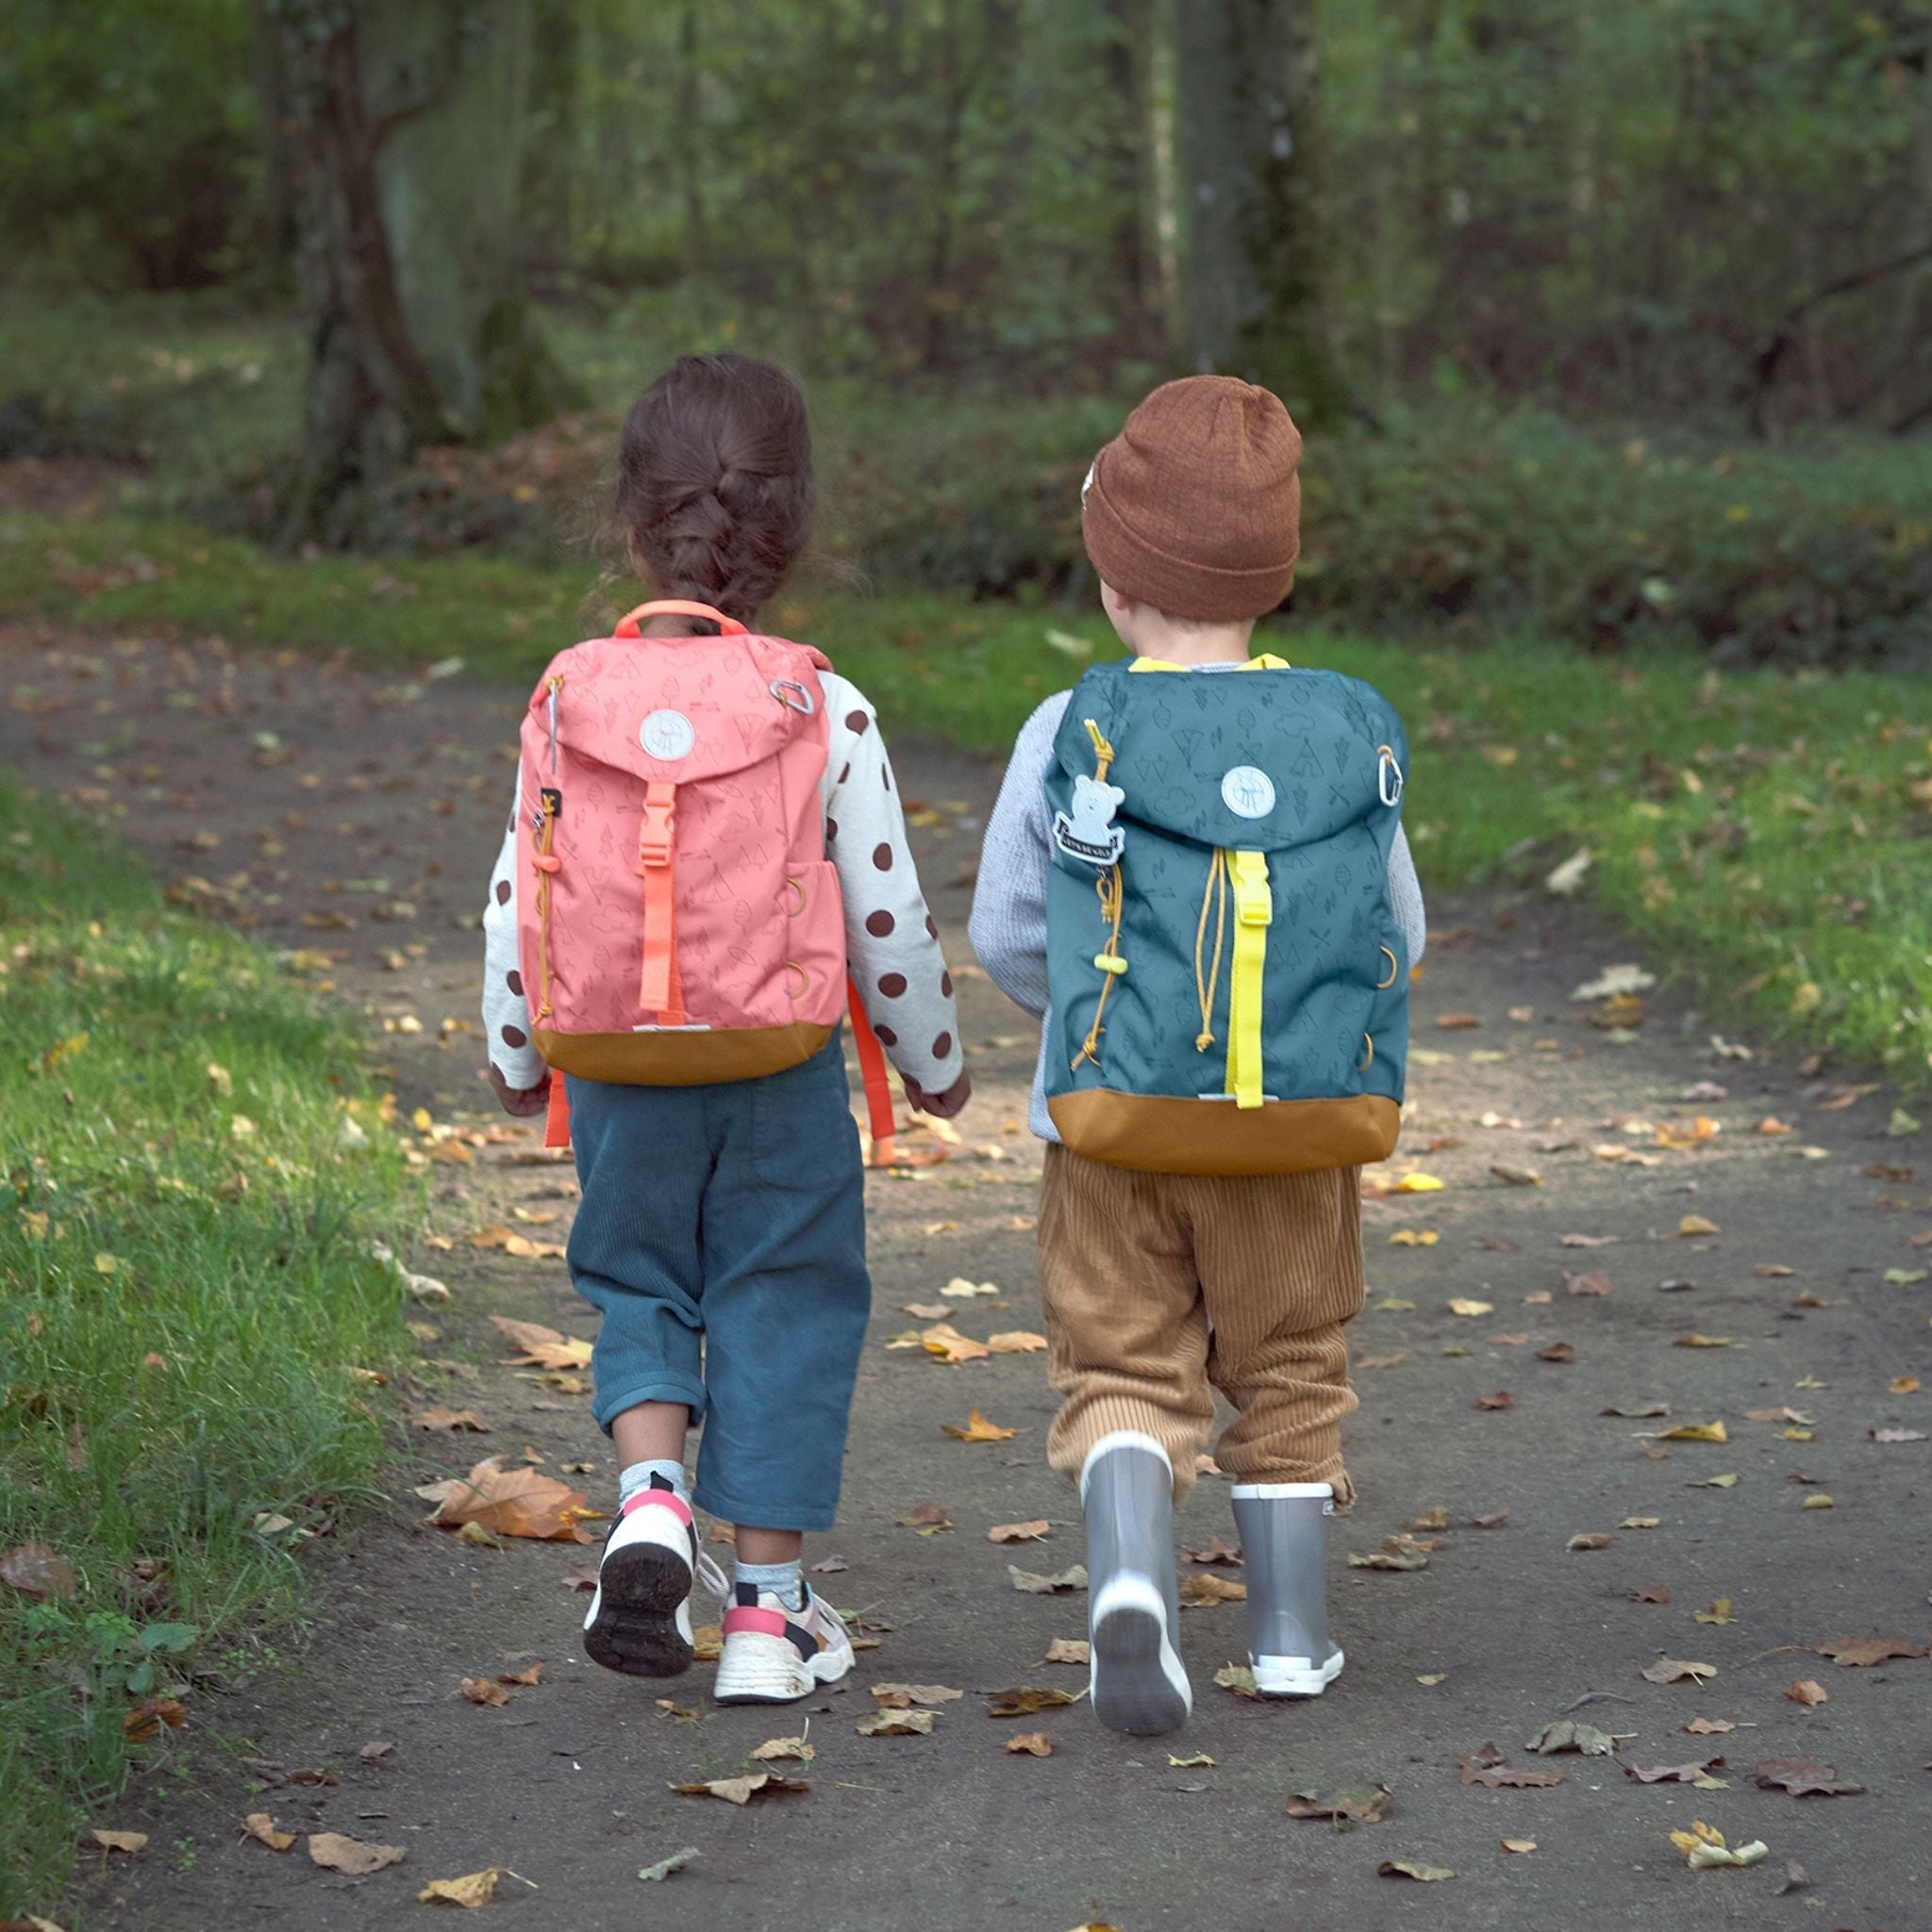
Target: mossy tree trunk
{"type": "Point", "coordinates": [405, 119]}
{"type": "Point", "coordinates": [1250, 154]}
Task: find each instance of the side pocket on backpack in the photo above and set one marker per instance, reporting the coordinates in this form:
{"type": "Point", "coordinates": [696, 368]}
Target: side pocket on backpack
{"type": "Point", "coordinates": [1385, 1046]}
{"type": "Point", "coordinates": [814, 943]}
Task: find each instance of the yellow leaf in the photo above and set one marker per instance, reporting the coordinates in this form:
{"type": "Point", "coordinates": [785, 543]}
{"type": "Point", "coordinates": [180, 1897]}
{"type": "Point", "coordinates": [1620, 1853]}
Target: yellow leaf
{"type": "Point", "coordinates": [107, 1264]}
{"type": "Point", "coordinates": [1462, 1305]}
{"type": "Point", "coordinates": [1696, 1224]}
{"type": "Point", "coordinates": [261, 1827]}
{"type": "Point", "coordinates": [473, 1889]}
{"type": "Point", "coordinates": [1704, 1341]}
{"type": "Point", "coordinates": [1818, 1503]}
{"type": "Point", "coordinates": [945, 1342]}
{"type": "Point", "coordinates": [1517, 1845]}
{"type": "Point", "coordinates": [1414, 1238]}
{"type": "Point", "coordinates": [1695, 1432]}
{"type": "Point", "coordinates": [1419, 1184]}
{"type": "Point", "coordinates": [129, 1841]}
{"type": "Point", "coordinates": [978, 1429]}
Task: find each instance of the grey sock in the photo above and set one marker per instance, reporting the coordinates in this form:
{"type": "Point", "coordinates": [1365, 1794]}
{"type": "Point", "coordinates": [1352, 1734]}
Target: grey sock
{"type": "Point", "coordinates": [637, 1476]}
{"type": "Point", "coordinates": [786, 1579]}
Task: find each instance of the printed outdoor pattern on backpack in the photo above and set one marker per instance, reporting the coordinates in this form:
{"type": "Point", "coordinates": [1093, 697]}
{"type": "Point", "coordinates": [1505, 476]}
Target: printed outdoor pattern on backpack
{"type": "Point", "coordinates": [678, 920]}
{"type": "Point", "coordinates": [1228, 980]}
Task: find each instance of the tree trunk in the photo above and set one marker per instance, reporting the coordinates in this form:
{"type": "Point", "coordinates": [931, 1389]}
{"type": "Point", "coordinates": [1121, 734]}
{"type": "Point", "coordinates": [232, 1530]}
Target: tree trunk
{"type": "Point", "coordinates": [1129, 61]}
{"type": "Point", "coordinates": [405, 123]}
{"type": "Point", "coordinates": [691, 152]}
{"type": "Point", "coordinates": [1249, 153]}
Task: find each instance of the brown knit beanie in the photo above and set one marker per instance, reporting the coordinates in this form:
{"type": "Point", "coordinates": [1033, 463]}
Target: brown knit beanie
{"type": "Point", "coordinates": [1196, 506]}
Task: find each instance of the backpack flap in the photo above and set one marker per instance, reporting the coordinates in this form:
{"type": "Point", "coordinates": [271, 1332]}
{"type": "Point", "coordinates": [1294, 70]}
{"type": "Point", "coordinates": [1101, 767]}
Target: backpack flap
{"type": "Point", "coordinates": [1220, 932]}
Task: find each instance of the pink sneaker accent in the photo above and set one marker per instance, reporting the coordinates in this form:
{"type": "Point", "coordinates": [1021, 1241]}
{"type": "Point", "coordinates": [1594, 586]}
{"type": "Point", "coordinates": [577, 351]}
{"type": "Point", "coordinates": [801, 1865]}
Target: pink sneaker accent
{"type": "Point", "coordinates": [664, 1499]}
{"type": "Point", "coordinates": [743, 1618]}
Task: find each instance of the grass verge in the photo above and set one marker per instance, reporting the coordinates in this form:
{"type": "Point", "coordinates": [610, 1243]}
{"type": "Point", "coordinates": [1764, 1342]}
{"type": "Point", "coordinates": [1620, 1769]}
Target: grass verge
{"type": "Point", "coordinates": [188, 1312]}
{"type": "Point", "coordinates": [1771, 829]}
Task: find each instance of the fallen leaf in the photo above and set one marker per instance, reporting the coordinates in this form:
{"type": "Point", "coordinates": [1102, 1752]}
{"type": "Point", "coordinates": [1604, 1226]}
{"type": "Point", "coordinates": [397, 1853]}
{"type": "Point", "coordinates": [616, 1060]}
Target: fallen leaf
{"type": "Point", "coordinates": [960, 1289]}
{"type": "Point", "coordinates": [1069, 1650]}
{"type": "Point", "coordinates": [1397, 1553]}
{"type": "Point", "coordinates": [1771, 1270]}
{"type": "Point", "coordinates": [1517, 1845]}
{"type": "Point", "coordinates": [978, 1429]}
{"type": "Point", "coordinates": [1414, 1238]}
{"type": "Point", "coordinates": [1213, 1551]}
{"type": "Point", "coordinates": [1671, 1773]}
{"type": "Point", "coordinates": [1904, 1385]}
{"type": "Point", "coordinates": [1501, 1399]}
{"type": "Point", "coordinates": [1803, 1777]}
{"type": "Point", "coordinates": [150, 1714]}
{"type": "Point", "coordinates": [515, 1502]}
{"type": "Point", "coordinates": [1696, 1224]}
{"type": "Point", "coordinates": [1815, 1503]}
{"type": "Point", "coordinates": [1704, 1845]}
{"type": "Point", "coordinates": [1695, 1340]}
{"type": "Point", "coordinates": [1418, 1184]}
{"type": "Point", "coordinates": [541, 1347]}
{"type": "Point", "coordinates": [1650, 1593]}
{"type": "Point", "coordinates": [441, 1417]}
{"type": "Point", "coordinates": [1024, 1702]}
{"type": "Point", "coordinates": [261, 1828]}
{"type": "Point", "coordinates": [829, 1566]}
{"type": "Point", "coordinates": [1714, 1482]}
{"type": "Point", "coordinates": [1566, 1734]}
{"type": "Point", "coordinates": [471, 1888]}
{"type": "Point", "coordinates": [1896, 1434]}
{"type": "Point", "coordinates": [926, 1311]}
{"type": "Point", "coordinates": [1031, 1745]}
{"type": "Point", "coordinates": [350, 1855]}
{"type": "Point", "coordinates": [1404, 1867]}
{"type": "Point", "coordinates": [1037, 1585]}
{"type": "Point", "coordinates": [928, 1519]}
{"type": "Point", "coordinates": [1204, 1590]}
{"type": "Point", "coordinates": [1593, 1281]}
{"type": "Point", "coordinates": [1670, 1670]}
{"type": "Point", "coordinates": [1019, 1532]}
{"type": "Point", "coordinates": [1587, 1540]}
{"type": "Point", "coordinates": [897, 1696]}
{"type": "Point", "coordinates": [896, 1723]}
{"type": "Point", "coordinates": [485, 1690]}
{"type": "Point", "coordinates": [743, 1789]}
{"type": "Point", "coordinates": [656, 1874]}
{"type": "Point", "coordinates": [1867, 1650]}
{"type": "Point", "coordinates": [1695, 1432]}
{"type": "Point", "coordinates": [1640, 1523]}
{"type": "Point", "coordinates": [1807, 1691]}
{"type": "Point", "coordinates": [1199, 1761]}
{"type": "Point", "coordinates": [37, 1570]}
{"type": "Point", "coordinates": [945, 1342]}
{"type": "Point", "coordinates": [1462, 1305]}
{"type": "Point", "coordinates": [1365, 1804]}
{"type": "Point", "coordinates": [1485, 1767]}
{"type": "Point", "coordinates": [1720, 1613]}
{"type": "Point", "coordinates": [1556, 1352]}
{"type": "Point", "coordinates": [1709, 1727]}
{"type": "Point", "coordinates": [129, 1841]}
{"type": "Point", "coordinates": [1237, 1678]}
{"type": "Point", "coordinates": [1567, 879]}
{"type": "Point", "coordinates": [1015, 1341]}
{"type": "Point", "coordinates": [783, 1747]}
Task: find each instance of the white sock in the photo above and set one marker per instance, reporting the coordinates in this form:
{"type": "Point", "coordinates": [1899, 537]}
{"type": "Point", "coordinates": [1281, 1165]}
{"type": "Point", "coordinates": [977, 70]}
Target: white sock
{"type": "Point", "coordinates": [786, 1579]}
{"type": "Point", "coordinates": [668, 1471]}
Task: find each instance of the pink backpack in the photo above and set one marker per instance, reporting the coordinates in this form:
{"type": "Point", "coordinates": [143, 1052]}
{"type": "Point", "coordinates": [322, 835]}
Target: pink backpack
{"type": "Point", "coordinates": [678, 921]}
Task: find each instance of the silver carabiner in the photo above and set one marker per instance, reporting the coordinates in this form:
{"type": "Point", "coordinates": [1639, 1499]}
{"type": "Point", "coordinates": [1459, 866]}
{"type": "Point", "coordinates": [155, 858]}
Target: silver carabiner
{"type": "Point", "coordinates": [1385, 765]}
{"type": "Point", "coordinates": [793, 696]}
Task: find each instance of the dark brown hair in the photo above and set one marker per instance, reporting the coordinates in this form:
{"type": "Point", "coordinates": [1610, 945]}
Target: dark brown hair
{"type": "Point", "coordinates": [714, 481]}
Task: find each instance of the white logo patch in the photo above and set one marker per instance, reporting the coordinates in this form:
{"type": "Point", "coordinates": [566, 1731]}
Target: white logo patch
{"type": "Point", "coordinates": [667, 735]}
{"type": "Point", "coordinates": [1248, 793]}
{"type": "Point", "coordinates": [1090, 833]}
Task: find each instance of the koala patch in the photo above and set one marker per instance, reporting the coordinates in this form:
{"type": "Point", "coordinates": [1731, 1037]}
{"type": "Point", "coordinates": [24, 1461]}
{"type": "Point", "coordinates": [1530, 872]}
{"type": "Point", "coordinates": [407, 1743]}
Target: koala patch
{"type": "Point", "coordinates": [1089, 833]}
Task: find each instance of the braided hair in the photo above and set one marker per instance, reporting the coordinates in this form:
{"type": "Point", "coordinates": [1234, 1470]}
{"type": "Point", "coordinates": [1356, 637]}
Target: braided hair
{"type": "Point", "coordinates": [714, 481]}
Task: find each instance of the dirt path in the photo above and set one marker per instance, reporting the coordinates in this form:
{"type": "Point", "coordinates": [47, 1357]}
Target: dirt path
{"type": "Point", "coordinates": [399, 795]}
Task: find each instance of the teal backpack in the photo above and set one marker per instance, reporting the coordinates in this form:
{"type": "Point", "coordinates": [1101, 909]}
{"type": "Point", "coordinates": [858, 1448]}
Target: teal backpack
{"type": "Point", "coordinates": [1228, 981]}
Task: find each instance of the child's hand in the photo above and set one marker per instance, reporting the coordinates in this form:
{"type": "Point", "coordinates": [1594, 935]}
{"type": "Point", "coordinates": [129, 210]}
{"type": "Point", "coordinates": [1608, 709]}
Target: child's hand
{"type": "Point", "coordinates": [941, 1107]}
{"type": "Point", "coordinates": [524, 1101]}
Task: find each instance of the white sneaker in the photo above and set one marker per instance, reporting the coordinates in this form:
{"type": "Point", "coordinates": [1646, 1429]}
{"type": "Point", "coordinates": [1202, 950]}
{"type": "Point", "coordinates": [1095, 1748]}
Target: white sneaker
{"type": "Point", "coordinates": [639, 1618]}
{"type": "Point", "coordinates": [776, 1655]}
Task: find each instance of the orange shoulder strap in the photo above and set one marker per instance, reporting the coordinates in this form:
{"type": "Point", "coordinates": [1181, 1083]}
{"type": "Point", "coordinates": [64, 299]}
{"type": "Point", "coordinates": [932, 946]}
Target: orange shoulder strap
{"type": "Point", "coordinates": [876, 1081]}
{"type": "Point", "coordinates": [556, 1120]}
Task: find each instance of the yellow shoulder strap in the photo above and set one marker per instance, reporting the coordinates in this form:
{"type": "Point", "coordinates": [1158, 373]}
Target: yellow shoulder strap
{"type": "Point", "coordinates": [1254, 911]}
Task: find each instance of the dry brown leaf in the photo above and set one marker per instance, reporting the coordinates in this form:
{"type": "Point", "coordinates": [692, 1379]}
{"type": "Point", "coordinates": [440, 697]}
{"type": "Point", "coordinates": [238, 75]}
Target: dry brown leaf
{"type": "Point", "coordinates": [1501, 1399]}
{"type": "Point", "coordinates": [1696, 1341]}
{"type": "Point", "coordinates": [1031, 1743]}
{"type": "Point", "coordinates": [775, 1749]}
{"type": "Point", "coordinates": [261, 1828]}
{"type": "Point", "coordinates": [926, 1311]}
{"type": "Point", "coordinates": [37, 1570]}
{"type": "Point", "coordinates": [150, 1714]}
{"type": "Point", "coordinates": [1593, 1281]}
{"type": "Point", "coordinates": [1804, 1777]}
{"type": "Point", "coordinates": [945, 1342]}
{"type": "Point", "coordinates": [439, 1417]}
{"type": "Point", "coordinates": [1215, 1551]}
{"type": "Point", "coordinates": [1487, 1767]}
{"type": "Point", "coordinates": [1204, 1588]}
{"type": "Point", "coordinates": [1397, 1553]}
{"type": "Point", "coordinates": [897, 1723]}
{"type": "Point", "coordinates": [129, 1841]}
{"type": "Point", "coordinates": [1019, 1532]}
{"type": "Point", "coordinates": [354, 1856]}
{"type": "Point", "coordinates": [533, 1675]}
{"type": "Point", "coordinates": [1807, 1691]}
{"type": "Point", "coordinates": [541, 1347]}
{"type": "Point", "coordinates": [1696, 1773]}
{"type": "Point", "coordinates": [515, 1502]}
{"type": "Point", "coordinates": [485, 1690]}
{"type": "Point", "coordinates": [1238, 1678]}
{"type": "Point", "coordinates": [1365, 1804]}
{"type": "Point", "coordinates": [1024, 1702]}
{"type": "Point", "coordinates": [471, 1888]}
{"type": "Point", "coordinates": [1588, 1539]}
{"type": "Point", "coordinates": [1074, 1577]}
{"type": "Point", "coordinates": [898, 1696]}
{"type": "Point", "coordinates": [1695, 1432]}
{"type": "Point", "coordinates": [1069, 1650]}
{"type": "Point", "coordinates": [1463, 1305]}
{"type": "Point", "coordinates": [1670, 1670]}
{"type": "Point", "coordinates": [1709, 1727]}
{"type": "Point", "coordinates": [978, 1429]}
{"type": "Point", "coordinates": [928, 1519]}
{"type": "Point", "coordinates": [1693, 1224]}
{"type": "Point", "coordinates": [1867, 1650]}
{"type": "Point", "coordinates": [1015, 1341]}
{"type": "Point", "coordinates": [743, 1789]}
{"type": "Point", "coordinates": [1516, 1845]}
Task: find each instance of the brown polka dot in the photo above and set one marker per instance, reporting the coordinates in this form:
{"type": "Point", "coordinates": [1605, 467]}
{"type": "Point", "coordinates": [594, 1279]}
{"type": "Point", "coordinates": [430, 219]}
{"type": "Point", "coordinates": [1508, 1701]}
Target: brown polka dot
{"type": "Point", "coordinates": [947, 984]}
{"type": "Point", "coordinates": [856, 721]}
{"type": "Point", "coordinates": [943, 1046]}
{"type": "Point", "coordinates": [882, 858]}
{"type": "Point", "coordinates": [503, 892]}
{"type": "Point", "coordinates": [886, 776]}
{"type": "Point", "coordinates": [893, 985]}
{"type": "Point", "coordinates": [845, 774]}
{"type": "Point", "coordinates": [831, 830]}
{"type": "Point", "coordinates": [514, 1036]}
{"type": "Point", "coordinates": [515, 981]}
{"type": "Point", "coordinates": [887, 1036]}
{"type": "Point", "coordinates": [930, 927]}
{"type": "Point", "coordinates": [880, 923]}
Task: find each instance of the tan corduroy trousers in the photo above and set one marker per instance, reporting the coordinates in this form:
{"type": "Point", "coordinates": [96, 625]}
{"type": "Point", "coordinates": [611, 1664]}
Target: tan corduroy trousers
{"type": "Point", "coordinates": [1161, 1288]}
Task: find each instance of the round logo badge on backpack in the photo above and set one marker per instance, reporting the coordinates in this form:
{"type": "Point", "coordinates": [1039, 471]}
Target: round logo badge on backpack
{"type": "Point", "coordinates": [1248, 791]}
{"type": "Point", "coordinates": [667, 735]}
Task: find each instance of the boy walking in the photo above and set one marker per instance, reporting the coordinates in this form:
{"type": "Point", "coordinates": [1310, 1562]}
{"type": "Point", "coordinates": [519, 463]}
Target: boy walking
{"type": "Point", "coordinates": [1199, 882]}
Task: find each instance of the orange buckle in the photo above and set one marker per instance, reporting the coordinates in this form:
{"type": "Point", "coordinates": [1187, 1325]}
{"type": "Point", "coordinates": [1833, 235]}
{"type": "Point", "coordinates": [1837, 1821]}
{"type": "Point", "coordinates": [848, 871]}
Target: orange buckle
{"type": "Point", "coordinates": [654, 839]}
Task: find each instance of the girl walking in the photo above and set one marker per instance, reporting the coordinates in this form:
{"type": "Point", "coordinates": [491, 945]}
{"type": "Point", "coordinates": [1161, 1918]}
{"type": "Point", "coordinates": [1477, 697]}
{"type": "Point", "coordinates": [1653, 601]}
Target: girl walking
{"type": "Point", "coordinates": [707, 837]}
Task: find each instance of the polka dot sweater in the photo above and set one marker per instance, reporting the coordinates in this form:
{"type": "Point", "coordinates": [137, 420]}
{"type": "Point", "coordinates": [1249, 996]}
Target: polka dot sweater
{"type": "Point", "coordinates": [892, 942]}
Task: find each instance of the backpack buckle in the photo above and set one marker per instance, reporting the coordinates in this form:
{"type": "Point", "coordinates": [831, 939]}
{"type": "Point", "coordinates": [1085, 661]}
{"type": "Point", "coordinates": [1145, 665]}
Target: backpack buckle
{"type": "Point", "coordinates": [660, 819]}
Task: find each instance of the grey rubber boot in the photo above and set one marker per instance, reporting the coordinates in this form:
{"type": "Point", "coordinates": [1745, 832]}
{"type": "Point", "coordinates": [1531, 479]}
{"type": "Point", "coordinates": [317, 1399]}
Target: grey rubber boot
{"type": "Point", "coordinates": [1283, 1528]}
{"type": "Point", "coordinates": [1126, 1489]}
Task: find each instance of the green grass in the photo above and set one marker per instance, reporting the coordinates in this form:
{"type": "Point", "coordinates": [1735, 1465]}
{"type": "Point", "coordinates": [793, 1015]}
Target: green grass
{"type": "Point", "coordinates": [1761, 826]}
{"type": "Point", "coordinates": [187, 1298]}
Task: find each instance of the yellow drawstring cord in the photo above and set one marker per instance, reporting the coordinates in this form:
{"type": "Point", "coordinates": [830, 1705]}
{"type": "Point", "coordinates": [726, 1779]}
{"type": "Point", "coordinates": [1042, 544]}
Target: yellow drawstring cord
{"type": "Point", "coordinates": [1107, 959]}
{"type": "Point", "coordinates": [1103, 751]}
{"type": "Point", "coordinates": [1206, 981]}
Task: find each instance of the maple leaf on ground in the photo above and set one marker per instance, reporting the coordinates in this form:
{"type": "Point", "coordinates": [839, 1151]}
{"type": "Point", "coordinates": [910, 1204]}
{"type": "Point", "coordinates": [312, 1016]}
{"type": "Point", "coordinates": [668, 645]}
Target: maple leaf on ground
{"type": "Point", "coordinates": [1670, 1670]}
{"type": "Point", "coordinates": [900, 1697]}
{"type": "Point", "coordinates": [1566, 1734]}
{"type": "Point", "coordinates": [950, 1346]}
{"type": "Point", "coordinates": [1070, 1650]}
{"type": "Point", "coordinates": [541, 1347]}
{"type": "Point", "coordinates": [471, 1888]}
{"type": "Point", "coordinates": [1867, 1650]}
{"type": "Point", "coordinates": [1215, 1551]}
{"type": "Point", "coordinates": [1035, 1584]}
{"type": "Point", "coordinates": [1406, 1868]}
{"type": "Point", "coordinates": [1397, 1553]}
{"type": "Point", "coordinates": [1033, 1532]}
{"type": "Point", "coordinates": [928, 1519]}
{"type": "Point", "coordinates": [1803, 1777]}
{"type": "Point", "coordinates": [1024, 1702]}
{"type": "Point", "coordinates": [1672, 1773]}
{"type": "Point", "coordinates": [514, 1502]}
{"type": "Point", "coordinates": [1205, 1590]}
{"type": "Point", "coordinates": [1031, 1744]}
{"type": "Point", "coordinates": [744, 1788]}
{"type": "Point", "coordinates": [481, 1691]}
{"type": "Point", "coordinates": [893, 1723]}
{"type": "Point", "coordinates": [1365, 1804]}
{"type": "Point", "coordinates": [353, 1856]}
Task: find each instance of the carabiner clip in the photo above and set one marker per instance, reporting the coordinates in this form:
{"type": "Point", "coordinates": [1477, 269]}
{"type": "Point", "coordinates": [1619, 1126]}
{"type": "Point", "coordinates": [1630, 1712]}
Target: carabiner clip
{"type": "Point", "coordinates": [1384, 768]}
{"type": "Point", "coordinates": [793, 696]}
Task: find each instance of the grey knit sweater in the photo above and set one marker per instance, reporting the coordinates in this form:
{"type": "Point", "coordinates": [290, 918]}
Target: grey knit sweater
{"type": "Point", "coordinates": [1009, 929]}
